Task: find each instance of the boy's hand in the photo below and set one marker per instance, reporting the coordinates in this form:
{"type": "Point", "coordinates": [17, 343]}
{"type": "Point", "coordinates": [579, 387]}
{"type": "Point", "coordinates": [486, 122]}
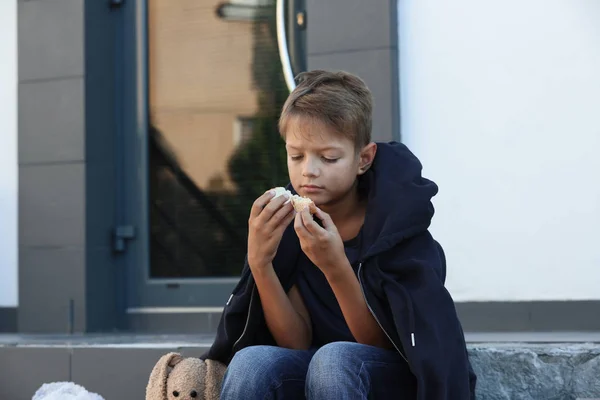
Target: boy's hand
{"type": "Point", "coordinates": [268, 220]}
{"type": "Point", "coordinates": [322, 245]}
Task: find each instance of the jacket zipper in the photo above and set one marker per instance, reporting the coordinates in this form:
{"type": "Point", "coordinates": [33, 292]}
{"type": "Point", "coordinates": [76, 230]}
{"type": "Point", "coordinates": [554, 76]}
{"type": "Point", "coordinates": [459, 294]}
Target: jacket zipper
{"type": "Point", "coordinates": [247, 319]}
{"type": "Point", "coordinates": [375, 316]}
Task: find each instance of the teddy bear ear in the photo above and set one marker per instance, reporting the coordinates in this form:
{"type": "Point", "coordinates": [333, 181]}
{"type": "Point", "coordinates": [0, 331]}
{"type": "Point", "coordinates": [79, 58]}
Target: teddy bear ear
{"type": "Point", "coordinates": [157, 383]}
{"type": "Point", "coordinates": [215, 371]}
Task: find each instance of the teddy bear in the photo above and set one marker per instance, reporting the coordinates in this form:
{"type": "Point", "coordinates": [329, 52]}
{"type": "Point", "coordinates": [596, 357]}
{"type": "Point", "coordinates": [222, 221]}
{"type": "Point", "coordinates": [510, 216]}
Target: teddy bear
{"type": "Point", "coordinates": [185, 378]}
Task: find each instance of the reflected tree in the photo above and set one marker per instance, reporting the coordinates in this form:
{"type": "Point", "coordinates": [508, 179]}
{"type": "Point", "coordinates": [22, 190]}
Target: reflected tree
{"type": "Point", "coordinates": [203, 232]}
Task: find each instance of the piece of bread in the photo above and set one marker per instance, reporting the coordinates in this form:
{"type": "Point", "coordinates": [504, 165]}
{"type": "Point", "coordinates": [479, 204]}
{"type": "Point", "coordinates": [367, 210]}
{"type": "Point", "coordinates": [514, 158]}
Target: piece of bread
{"type": "Point", "coordinates": [299, 202]}
{"type": "Point", "coordinates": [302, 203]}
{"type": "Point", "coordinates": [280, 191]}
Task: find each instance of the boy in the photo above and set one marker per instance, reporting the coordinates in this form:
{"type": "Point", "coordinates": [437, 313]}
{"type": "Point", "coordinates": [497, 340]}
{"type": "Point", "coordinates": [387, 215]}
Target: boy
{"type": "Point", "coordinates": [351, 303]}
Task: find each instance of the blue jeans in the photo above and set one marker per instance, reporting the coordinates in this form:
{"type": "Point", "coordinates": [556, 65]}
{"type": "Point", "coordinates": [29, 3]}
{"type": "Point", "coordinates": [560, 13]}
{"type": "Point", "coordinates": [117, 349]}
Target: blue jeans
{"type": "Point", "coordinates": [340, 371]}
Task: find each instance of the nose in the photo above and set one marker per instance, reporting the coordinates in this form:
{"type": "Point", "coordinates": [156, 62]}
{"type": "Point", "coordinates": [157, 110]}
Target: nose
{"type": "Point", "coordinates": [310, 168]}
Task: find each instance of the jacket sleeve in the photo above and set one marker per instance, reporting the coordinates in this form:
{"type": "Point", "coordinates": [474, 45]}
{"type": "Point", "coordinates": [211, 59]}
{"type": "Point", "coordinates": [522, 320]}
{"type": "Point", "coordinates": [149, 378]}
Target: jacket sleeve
{"type": "Point", "coordinates": [233, 319]}
{"type": "Point", "coordinates": [421, 314]}
{"type": "Point", "coordinates": [236, 325]}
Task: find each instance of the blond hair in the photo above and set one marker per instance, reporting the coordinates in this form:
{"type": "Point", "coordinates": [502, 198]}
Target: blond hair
{"type": "Point", "coordinates": [339, 99]}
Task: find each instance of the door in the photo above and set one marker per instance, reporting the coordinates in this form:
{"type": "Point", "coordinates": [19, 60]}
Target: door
{"type": "Point", "coordinates": [203, 82]}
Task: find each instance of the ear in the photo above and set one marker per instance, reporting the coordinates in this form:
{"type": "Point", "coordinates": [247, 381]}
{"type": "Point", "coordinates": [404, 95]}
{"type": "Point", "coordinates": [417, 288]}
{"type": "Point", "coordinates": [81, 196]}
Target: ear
{"type": "Point", "coordinates": [157, 384]}
{"type": "Point", "coordinates": [215, 371]}
{"type": "Point", "coordinates": [366, 157]}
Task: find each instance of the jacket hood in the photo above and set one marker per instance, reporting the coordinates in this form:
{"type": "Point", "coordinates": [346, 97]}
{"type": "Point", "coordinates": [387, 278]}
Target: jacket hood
{"type": "Point", "coordinates": [399, 201]}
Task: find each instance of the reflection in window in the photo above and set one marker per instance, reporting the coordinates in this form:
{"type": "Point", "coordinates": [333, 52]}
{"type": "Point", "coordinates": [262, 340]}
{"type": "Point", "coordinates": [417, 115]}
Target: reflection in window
{"type": "Point", "coordinates": [242, 130]}
{"type": "Point", "coordinates": [215, 93]}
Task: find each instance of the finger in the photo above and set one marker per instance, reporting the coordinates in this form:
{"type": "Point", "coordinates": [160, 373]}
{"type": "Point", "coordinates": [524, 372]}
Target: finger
{"type": "Point", "coordinates": [280, 215]}
{"type": "Point", "coordinates": [310, 223]}
{"type": "Point", "coordinates": [260, 203]}
{"type": "Point", "coordinates": [325, 219]}
{"type": "Point", "coordinates": [270, 209]}
{"type": "Point", "coordinates": [300, 228]}
{"type": "Point", "coordinates": [286, 221]}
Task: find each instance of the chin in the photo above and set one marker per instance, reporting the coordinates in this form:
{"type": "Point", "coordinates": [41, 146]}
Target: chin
{"type": "Point", "coordinates": [320, 201]}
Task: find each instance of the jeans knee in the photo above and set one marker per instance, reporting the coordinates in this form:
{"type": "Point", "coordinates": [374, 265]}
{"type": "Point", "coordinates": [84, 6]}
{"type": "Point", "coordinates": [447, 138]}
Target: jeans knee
{"type": "Point", "coordinates": [248, 370]}
{"type": "Point", "coordinates": [332, 356]}
{"type": "Point", "coordinates": [331, 365]}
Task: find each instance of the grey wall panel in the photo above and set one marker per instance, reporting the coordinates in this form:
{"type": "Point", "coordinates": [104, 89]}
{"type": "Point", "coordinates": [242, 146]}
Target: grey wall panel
{"type": "Point", "coordinates": [50, 39]}
{"type": "Point", "coordinates": [48, 280]}
{"type": "Point", "coordinates": [51, 121]}
{"type": "Point", "coordinates": [52, 205]}
{"type": "Point", "coordinates": [31, 368]}
{"type": "Point", "coordinates": [530, 316]}
{"type": "Point", "coordinates": [342, 25]}
{"type": "Point", "coordinates": [127, 370]}
{"type": "Point", "coordinates": [374, 67]}
{"type": "Point", "coordinates": [51, 164]}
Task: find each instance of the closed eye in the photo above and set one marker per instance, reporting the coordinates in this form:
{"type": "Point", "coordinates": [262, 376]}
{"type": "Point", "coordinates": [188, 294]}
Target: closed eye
{"type": "Point", "coordinates": [325, 159]}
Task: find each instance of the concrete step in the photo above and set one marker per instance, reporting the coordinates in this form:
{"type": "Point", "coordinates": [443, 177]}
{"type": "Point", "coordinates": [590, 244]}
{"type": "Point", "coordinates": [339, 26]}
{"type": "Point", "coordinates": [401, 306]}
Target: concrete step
{"type": "Point", "coordinates": [515, 366]}
{"type": "Point", "coordinates": [114, 366]}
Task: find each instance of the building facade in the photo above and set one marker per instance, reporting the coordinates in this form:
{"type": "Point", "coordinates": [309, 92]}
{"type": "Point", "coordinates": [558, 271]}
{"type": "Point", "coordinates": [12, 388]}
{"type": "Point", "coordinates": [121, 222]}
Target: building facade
{"type": "Point", "coordinates": [140, 131]}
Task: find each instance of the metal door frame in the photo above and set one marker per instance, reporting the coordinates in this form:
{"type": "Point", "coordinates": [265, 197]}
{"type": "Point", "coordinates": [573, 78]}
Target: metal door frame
{"type": "Point", "coordinates": [132, 237]}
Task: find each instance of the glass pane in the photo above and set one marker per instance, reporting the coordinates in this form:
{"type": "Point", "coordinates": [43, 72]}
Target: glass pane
{"type": "Point", "coordinates": [215, 93]}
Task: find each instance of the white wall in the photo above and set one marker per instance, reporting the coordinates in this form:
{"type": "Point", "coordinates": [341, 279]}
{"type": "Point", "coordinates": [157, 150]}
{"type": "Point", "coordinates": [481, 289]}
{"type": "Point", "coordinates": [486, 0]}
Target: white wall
{"type": "Point", "coordinates": [8, 155]}
{"type": "Point", "coordinates": [501, 101]}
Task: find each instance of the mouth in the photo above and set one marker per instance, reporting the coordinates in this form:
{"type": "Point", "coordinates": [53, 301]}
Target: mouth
{"type": "Point", "coordinates": [311, 188]}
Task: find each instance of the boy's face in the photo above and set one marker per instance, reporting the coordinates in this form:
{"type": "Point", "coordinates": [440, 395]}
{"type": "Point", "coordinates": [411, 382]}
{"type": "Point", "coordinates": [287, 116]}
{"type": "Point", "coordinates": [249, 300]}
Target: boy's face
{"type": "Point", "coordinates": [323, 165]}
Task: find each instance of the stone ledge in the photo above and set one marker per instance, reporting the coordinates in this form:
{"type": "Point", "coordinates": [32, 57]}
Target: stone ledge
{"type": "Point", "coordinates": [524, 371]}
{"type": "Point", "coordinates": [509, 366]}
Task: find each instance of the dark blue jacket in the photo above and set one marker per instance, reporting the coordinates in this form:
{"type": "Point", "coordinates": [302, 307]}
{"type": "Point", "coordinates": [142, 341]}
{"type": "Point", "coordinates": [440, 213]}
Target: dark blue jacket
{"type": "Point", "coordinates": [401, 271]}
